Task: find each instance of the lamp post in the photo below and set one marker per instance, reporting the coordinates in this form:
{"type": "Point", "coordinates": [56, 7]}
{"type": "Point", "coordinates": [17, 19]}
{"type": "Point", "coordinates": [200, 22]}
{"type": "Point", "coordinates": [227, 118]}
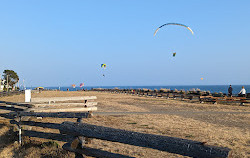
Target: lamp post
{"type": "Point", "coordinates": [7, 83]}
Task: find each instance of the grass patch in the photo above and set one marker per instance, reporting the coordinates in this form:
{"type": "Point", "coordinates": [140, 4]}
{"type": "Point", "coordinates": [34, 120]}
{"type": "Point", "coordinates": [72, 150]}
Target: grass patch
{"type": "Point", "coordinates": [150, 127]}
{"type": "Point", "coordinates": [50, 144]}
{"type": "Point", "coordinates": [189, 136]}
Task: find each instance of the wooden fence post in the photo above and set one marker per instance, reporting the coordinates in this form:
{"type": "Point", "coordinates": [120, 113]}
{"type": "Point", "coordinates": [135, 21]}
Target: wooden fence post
{"type": "Point", "coordinates": [19, 117]}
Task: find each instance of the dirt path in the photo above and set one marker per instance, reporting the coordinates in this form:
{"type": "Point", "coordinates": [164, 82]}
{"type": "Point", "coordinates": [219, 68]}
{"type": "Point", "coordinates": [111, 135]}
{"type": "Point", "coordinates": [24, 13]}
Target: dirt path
{"type": "Point", "coordinates": [220, 118]}
{"type": "Point", "coordinates": [168, 112]}
{"type": "Point", "coordinates": [219, 114]}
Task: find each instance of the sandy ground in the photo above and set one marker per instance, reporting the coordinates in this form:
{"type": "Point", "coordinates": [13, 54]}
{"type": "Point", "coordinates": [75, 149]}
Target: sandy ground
{"type": "Point", "coordinates": [220, 125]}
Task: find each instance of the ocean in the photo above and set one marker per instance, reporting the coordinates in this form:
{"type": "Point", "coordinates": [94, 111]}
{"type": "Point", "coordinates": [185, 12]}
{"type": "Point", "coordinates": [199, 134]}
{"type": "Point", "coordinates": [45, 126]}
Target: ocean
{"type": "Point", "coordinates": [211, 88]}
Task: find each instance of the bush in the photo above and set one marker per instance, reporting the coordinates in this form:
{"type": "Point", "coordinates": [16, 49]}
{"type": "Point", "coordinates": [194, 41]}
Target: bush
{"type": "Point", "coordinates": [50, 144]}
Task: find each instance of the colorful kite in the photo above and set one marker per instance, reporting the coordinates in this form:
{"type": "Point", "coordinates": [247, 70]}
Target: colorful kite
{"type": "Point", "coordinates": [81, 84]}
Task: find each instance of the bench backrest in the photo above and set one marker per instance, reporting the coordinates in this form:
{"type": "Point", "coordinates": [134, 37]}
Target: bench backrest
{"type": "Point", "coordinates": [54, 99]}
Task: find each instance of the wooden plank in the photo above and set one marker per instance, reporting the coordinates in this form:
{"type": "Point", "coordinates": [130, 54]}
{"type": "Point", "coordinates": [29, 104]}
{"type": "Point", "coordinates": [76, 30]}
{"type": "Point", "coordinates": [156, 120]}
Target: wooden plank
{"type": "Point", "coordinates": [39, 124]}
{"type": "Point", "coordinates": [6, 115]}
{"type": "Point", "coordinates": [164, 143]}
{"type": "Point", "coordinates": [78, 109]}
{"type": "Point", "coordinates": [88, 104]}
{"type": "Point", "coordinates": [208, 97]}
{"type": "Point", "coordinates": [94, 152]}
{"type": "Point", "coordinates": [233, 98]}
{"type": "Point", "coordinates": [11, 108]}
{"type": "Point", "coordinates": [62, 99]}
{"type": "Point", "coordinates": [56, 115]}
{"type": "Point", "coordinates": [17, 104]}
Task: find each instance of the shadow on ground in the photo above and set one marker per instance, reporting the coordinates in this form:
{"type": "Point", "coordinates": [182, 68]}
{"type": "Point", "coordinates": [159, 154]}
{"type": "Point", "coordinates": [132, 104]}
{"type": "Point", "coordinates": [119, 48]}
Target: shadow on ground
{"type": "Point", "coordinates": [7, 138]}
{"type": "Point", "coordinates": [32, 148]}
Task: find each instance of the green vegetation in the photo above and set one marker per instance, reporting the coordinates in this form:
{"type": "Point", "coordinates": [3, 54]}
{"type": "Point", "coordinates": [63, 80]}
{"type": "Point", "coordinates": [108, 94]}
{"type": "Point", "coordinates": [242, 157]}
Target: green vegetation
{"type": "Point", "coordinates": [50, 144]}
{"type": "Point", "coordinates": [10, 77]}
{"type": "Point", "coordinates": [132, 123]}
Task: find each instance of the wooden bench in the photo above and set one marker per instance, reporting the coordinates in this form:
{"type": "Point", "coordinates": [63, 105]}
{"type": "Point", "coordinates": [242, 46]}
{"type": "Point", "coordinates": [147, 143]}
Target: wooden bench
{"type": "Point", "coordinates": [215, 100]}
{"type": "Point", "coordinates": [56, 99]}
{"type": "Point", "coordinates": [84, 106]}
{"type": "Point", "coordinates": [21, 112]}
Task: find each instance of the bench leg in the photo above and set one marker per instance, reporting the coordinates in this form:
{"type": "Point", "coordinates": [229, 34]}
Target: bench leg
{"type": "Point", "coordinates": [80, 141]}
{"type": "Point", "coordinates": [19, 129]}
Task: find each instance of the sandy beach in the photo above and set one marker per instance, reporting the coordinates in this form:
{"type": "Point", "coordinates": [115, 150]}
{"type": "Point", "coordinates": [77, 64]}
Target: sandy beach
{"type": "Point", "coordinates": [218, 125]}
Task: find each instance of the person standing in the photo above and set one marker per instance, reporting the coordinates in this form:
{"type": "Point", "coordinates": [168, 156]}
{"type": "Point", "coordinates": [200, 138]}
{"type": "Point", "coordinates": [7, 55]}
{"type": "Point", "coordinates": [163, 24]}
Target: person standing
{"type": "Point", "coordinates": [230, 91]}
{"type": "Point", "coordinates": [242, 93]}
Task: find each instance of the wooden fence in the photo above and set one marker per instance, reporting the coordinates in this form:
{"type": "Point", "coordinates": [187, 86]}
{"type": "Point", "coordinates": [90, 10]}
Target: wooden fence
{"type": "Point", "coordinates": [193, 95]}
{"type": "Point", "coordinates": [11, 93]}
{"type": "Point", "coordinates": [77, 134]}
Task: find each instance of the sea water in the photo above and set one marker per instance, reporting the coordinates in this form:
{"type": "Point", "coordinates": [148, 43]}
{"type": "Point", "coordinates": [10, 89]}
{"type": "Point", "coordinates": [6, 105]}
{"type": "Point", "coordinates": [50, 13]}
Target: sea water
{"type": "Point", "coordinates": [211, 88]}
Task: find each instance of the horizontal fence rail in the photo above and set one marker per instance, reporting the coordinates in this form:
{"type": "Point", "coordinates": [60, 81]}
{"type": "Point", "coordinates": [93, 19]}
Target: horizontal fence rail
{"type": "Point", "coordinates": [170, 144]}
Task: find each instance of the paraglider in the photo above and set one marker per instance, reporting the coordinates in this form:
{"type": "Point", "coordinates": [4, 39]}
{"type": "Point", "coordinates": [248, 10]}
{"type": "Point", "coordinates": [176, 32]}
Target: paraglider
{"type": "Point", "coordinates": [178, 24]}
{"type": "Point", "coordinates": [173, 24]}
{"type": "Point", "coordinates": [73, 85]}
{"type": "Point", "coordinates": [103, 66]}
{"type": "Point", "coordinates": [201, 78]}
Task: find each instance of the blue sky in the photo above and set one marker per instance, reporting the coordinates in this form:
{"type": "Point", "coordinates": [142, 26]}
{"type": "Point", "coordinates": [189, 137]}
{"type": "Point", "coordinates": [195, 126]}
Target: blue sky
{"type": "Point", "coordinates": [59, 42]}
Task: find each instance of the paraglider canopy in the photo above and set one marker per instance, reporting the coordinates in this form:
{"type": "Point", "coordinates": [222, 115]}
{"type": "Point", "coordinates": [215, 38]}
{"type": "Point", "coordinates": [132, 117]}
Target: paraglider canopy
{"type": "Point", "coordinates": [173, 24]}
{"type": "Point", "coordinates": [103, 66]}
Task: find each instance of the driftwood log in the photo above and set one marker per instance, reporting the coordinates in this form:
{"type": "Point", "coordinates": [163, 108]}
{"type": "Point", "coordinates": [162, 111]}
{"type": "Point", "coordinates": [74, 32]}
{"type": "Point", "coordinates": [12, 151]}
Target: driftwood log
{"type": "Point", "coordinates": [164, 143]}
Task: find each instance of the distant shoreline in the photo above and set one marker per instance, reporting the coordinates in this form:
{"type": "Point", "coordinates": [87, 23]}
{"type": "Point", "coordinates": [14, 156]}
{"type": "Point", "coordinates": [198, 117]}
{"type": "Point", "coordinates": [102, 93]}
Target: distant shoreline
{"type": "Point", "coordinates": [211, 88]}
